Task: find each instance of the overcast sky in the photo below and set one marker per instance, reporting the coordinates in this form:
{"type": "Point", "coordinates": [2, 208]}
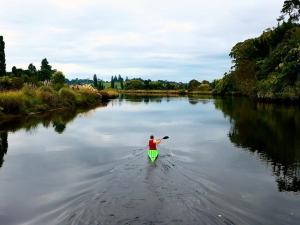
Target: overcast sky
{"type": "Point", "coordinates": [156, 39]}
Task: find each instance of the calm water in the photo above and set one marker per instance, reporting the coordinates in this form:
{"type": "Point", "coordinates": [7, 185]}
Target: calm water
{"type": "Point", "coordinates": [228, 161]}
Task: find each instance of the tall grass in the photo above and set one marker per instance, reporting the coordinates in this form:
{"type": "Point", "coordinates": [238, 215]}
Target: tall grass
{"type": "Point", "coordinates": [30, 100]}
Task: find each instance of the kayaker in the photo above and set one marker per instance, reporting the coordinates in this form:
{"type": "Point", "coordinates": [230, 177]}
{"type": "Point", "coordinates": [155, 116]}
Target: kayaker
{"type": "Point", "coordinates": [153, 142]}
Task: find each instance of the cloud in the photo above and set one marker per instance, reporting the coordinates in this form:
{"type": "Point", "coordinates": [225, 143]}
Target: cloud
{"type": "Point", "coordinates": [167, 39]}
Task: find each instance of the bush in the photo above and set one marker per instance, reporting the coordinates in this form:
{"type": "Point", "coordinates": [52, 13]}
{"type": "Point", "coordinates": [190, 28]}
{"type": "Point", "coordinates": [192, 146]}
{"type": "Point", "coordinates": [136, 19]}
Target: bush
{"type": "Point", "coordinates": [68, 96]}
{"type": "Point", "coordinates": [48, 96]}
{"type": "Point", "coordinates": [11, 83]}
{"type": "Point", "coordinates": [12, 102]}
{"type": "Point", "coordinates": [204, 87]}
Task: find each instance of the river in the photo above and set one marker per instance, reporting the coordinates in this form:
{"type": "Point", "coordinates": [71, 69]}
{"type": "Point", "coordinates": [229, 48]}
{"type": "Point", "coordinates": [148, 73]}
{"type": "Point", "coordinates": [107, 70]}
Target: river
{"type": "Point", "coordinates": [227, 161]}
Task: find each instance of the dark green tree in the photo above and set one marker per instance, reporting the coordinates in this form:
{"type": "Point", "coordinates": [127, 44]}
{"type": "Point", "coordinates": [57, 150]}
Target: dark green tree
{"type": "Point", "coordinates": [32, 69]}
{"type": "Point", "coordinates": [14, 71]}
{"type": "Point", "coordinates": [119, 78]}
{"type": "Point", "coordinates": [122, 84]}
{"type": "Point", "coordinates": [100, 85]}
{"type": "Point", "coordinates": [46, 70]}
{"type": "Point", "coordinates": [291, 8]}
{"type": "Point", "coordinates": [95, 80]}
{"type": "Point", "coordinates": [58, 78]}
{"type": "Point", "coordinates": [2, 57]}
{"type": "Point", "coordinates": [3, 146]}
{"type": "Point", "coordinates": [193, 85]}
{"type": "Point", "coordinates": [112, 82]}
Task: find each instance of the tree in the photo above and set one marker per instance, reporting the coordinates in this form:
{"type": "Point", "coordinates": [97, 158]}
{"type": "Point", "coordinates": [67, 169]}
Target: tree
{"type": "Point", "coordinates": [3, 146]}
{"type": "Point", "coordinates": [32, 69]}
{"type": "Point", "coordinates": [193, 85]}
{"type": "Point", "coordinates": [122, 84]}
{"type": "Point", "coordinates": [58, 78]}
{"type": "Point", "coordinates": [101, 85]}
{"type": "Point", "coordinates": [135, 84]}
{"type": "Point", "coordinates": [95, 79]}
{"type": "Point", "coordinates": [2, 57]}
{"type": "Point", "coordinates": [14, 71]}
{"type": "Point", "coordinates": [112, 82]}
{"type": "Point", "coordinates": [17, 72]}
{"type": "Point", "coordinates": [120, 78]}
{"type": "Point", "coordinates": [292, 9]}
{"type": "Point", "coordinates": [46, 70]}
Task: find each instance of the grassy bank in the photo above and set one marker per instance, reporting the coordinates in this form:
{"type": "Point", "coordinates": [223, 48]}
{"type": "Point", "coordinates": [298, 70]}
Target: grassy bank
{"type": "Point", "coordinates": [165, 92]}
{"type": "Point", "coordinates": [109, 94]}
{"type": "Point", "coordinates": [45, 98]}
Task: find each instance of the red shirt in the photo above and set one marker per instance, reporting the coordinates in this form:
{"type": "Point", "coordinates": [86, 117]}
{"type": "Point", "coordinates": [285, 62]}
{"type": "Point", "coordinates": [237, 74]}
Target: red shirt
{"type": "Point", "coordinates": [152, 144]}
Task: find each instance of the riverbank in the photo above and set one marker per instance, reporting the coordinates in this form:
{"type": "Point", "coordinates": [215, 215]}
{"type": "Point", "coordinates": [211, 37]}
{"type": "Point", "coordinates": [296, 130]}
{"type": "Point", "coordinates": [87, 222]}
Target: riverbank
{"type": "Point", "coordinates": [164, 92]}
{"type": "Point", "coordinates": [30, 101]}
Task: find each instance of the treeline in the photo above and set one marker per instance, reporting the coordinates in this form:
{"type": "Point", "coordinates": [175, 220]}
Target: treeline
{"type": "Point", "coordinates": [140, 84]}
{"type": "Point", "coordinates": [33, 90]}
{"type": "Point", "coordinates": [267, 67]}
{"type": "Point", "coordinates": [118, 82]}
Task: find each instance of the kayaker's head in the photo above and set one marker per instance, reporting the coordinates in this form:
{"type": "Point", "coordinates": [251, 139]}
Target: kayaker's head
{"type": "Point", "coordinates": [151, 137]}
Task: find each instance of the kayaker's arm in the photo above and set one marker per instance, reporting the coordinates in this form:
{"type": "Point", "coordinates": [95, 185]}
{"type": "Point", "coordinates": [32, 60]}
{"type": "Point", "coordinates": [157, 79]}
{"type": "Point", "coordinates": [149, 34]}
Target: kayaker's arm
{"type": "Point", "coordinates": [157, 141]}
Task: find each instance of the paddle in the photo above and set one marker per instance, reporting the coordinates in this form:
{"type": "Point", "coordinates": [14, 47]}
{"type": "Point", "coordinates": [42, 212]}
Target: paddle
{"type": "Point", "coordinates": [165, 137]}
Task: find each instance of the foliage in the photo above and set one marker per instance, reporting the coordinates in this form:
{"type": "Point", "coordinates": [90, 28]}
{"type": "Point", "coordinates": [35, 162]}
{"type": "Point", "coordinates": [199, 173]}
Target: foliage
{"type": "Point", "coordinates": [140, 84]}
{"type": "Point", "coordinates": [11, 102]}
{"type": "Point", "coordinates": [46, 71]}
{"type": "Point", "coordinates": [267, 66]}
{"type": "Point", "coordinates": [292, 9]}
{"type": "Point", "coordinates": [44, 98]}
{"type": "Point", "coordinates": [11, 83]}
{"type": "Point", "coordinates": [2, 57]}
{"type": "Point", "coordinates": [193, 85]}
{"type": "Point", "coordinates": [58, 80]}
{"type": "Point", "coordinates": [68, 96]}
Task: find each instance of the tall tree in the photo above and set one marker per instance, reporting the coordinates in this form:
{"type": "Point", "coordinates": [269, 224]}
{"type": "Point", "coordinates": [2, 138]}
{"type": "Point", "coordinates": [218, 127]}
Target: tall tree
{"type": "Point", "coordinates": [100, 85]}
{"type": "Point", "coordinates": [32, 69]}
{"type": "Point", "coordinates": [95, 79]}
{"type": "Point", "coordinates": [292, 9]}
{"type": "Point", "coordinates": [112, 82]}
{"type": "Point", "coordinates": [2, 57]}
{"type": "Point", "coordinates": [122, 83]}
{"type": "Point", "coordinates": [3, 146]}
{"type": "Point", "coordinates": [119, 78]}
{"type": "Point", "coordinates": [14, 71]}
{"type": "Point", "coordinates": [46, 70]}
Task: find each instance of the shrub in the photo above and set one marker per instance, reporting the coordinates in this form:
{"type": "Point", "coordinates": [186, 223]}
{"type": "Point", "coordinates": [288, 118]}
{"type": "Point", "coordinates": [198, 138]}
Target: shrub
{"type": "Point", "coordinates": [48, 96]}
{"type": "Point", "coordinates": [204, 87]}
{"type": "Point", "coordinates": [67, 96]}
{"type": "Point", "coordinates": [12, 102]}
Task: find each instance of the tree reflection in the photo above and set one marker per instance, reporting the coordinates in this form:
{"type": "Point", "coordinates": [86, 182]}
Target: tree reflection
{"type": "Point", "coordinates": [58, 119]}
{"type": "Point", "coordinates": [3, 146]}
{"type": "Point", "coordinates": [272, 131]}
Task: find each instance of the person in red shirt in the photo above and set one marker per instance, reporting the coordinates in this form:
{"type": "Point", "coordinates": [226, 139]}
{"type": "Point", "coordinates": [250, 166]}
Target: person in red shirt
{"type": "Point", "coordinates": [153, 143]}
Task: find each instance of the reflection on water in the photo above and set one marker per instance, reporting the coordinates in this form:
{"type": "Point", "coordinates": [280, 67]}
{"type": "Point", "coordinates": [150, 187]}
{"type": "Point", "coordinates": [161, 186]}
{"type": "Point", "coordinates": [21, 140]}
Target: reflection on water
{"type": "Point", "coordinates": [3, 146]}
{"type": "Point", "coordinates": [57, 119]}
{"type": "Point", "coordinates": [218, 166]}
{"type": "Point", "coordinates": [272, 131]}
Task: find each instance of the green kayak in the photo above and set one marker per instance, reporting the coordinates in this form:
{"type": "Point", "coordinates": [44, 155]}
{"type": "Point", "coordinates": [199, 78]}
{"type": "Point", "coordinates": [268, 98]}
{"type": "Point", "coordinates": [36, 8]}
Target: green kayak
{"type": "Point", "coordinates": [152, 154]}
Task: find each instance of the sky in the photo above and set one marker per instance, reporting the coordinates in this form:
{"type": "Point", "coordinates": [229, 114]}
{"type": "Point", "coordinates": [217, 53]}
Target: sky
{"type": "Point", "coordinates": [153, 39]}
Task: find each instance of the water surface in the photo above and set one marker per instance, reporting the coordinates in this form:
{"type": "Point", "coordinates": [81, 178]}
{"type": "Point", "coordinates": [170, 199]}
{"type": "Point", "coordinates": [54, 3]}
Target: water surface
{"type": "Point", "coordinates": [228, 161]}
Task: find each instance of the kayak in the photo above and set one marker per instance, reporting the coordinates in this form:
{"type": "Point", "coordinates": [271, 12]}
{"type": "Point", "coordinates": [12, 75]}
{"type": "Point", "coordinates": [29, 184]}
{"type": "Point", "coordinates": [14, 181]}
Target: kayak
{"type": "Point", "coordinates": [152, 154]}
